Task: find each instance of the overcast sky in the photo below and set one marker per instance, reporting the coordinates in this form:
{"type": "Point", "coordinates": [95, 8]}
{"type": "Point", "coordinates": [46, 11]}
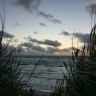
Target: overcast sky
{"type": "Point", "coordinates": [47, 26]}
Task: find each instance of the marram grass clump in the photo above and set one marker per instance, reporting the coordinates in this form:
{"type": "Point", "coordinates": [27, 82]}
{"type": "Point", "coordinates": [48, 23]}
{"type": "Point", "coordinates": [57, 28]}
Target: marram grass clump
{"type": "Point", "coordinates": [11, 83]}
{"type": "Point", "coordinates": [80, 79]}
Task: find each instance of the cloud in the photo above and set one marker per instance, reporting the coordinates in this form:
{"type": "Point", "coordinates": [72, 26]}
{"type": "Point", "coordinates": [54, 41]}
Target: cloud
{"type": "Point", "coordinates": [49, 17]}
{"type": "Point", "coordinates": [52, 50]}
{"type": "Point", "coordinates": [65, 33]}
{"type": "Point", "coordinates": [32, 6]}
{"type": "Point", "coordinates": [85, 38]}
{"type": "Point", "coordinates": [66, 49]}
{"type": "Point", "coordinates": [38, 50]}
{"type": "Point", "coordinates": [30, 49]}
{"type": "Point", "coordinates": [91, 9]}
{"type": "Point", "coordinates": [42, 24]}
{"type": "Point", "coordinates": [7, 35]}
{"type": "Point", "coordinates": [33, 47]}
{"type": "Point", "coordinates": [51, 43]}
{"type": "Point", "coordinates": [45, 42]}
{"type": "Point", "coordinates": [29, 5]}
{"type": "Point", "coordinates": [26, 49]}
{"type": "Point", "coordinates": [35, 32]}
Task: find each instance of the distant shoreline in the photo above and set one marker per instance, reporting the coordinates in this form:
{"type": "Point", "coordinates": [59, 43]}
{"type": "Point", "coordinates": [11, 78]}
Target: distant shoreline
{"type": "Point", "coordinates": [43, 56]}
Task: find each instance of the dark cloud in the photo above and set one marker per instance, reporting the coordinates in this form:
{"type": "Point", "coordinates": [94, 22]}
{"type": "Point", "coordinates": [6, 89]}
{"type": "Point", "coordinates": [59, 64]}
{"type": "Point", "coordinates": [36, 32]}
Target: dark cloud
{"type": "Point", "coordinates": [85, 38]}
{"type": "Point", "coordinates": [33, 47]}
{"type": "Point", "coordinates": [30, 49]}
{"type": "Point", "coordinates": [32, 6]}
{"type": "Point", "coordinates": [49, 17]}
{"type": "Point", "coordinates": [52, 50]}
{"type": "Point", "coordinates": [7, 35]}
{"type": "Point", "coordinates": [45, 42]}
{"type": "Point", "coordinates": [35, 32]}
{"type": "Point", "coordinates": [51, 43]}
{"type": "Point", "coordinates": [91, 9]}
{"type": "Point", "coordinates": [56, 21]}
{"type": "Point", "coordinates": [65, 33]}
{"type": "Point", "coordinates": [66, 50]}
{"type": "Point", "coordinates": [29, 5]}
{"type": "Point", "coordinates": [42, 24]}
{"type": "Point", "coordinates": [26, 49]}
{"type": "Point", "coordinates": [38, 49]}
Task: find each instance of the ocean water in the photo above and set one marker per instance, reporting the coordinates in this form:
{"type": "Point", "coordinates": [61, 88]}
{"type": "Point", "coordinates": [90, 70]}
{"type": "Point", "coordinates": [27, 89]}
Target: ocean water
{"type": "Point", "coordinates": [47, 71]}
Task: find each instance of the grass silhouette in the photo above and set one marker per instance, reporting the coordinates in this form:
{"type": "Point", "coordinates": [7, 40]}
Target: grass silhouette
{"type": "Point", "coordinates": [11, 82]}
{"type": "Point", "coordinates": [80, 79]}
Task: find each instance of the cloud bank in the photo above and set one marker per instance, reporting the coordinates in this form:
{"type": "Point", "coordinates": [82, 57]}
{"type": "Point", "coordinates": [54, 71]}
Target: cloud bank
{"type": "Point", "coordinates": [7, 35]}
{"type": "Point", "coordinates": [45, 42]}
{"type": "Point", "coordinates": [52, 50]}
{"type": "Point", "coordinates": [30, 48]}
{"type": "Point", "coordinates": [84, 38]}
{"type": "Point", "coordinates": [33, 47]}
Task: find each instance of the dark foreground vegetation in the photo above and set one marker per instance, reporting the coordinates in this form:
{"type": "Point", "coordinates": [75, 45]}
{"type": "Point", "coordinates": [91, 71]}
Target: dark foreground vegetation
{"type": "Point", "coordinates": [11, 82]}
{"type": "Point", "coordinates": [80, 79]}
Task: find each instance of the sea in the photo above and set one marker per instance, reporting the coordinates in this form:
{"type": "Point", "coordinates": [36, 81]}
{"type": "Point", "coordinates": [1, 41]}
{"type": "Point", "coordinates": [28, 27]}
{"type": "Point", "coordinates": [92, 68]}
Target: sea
{"type": "Point", "coordinates": [43, 71]}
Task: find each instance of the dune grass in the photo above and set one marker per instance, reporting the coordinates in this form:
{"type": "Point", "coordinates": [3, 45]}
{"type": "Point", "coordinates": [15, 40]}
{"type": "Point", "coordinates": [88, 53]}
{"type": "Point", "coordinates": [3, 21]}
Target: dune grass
{"type": "Point", "coordinates": [11, 80]}
{"type": "Point", "coordinates": [80, 79]}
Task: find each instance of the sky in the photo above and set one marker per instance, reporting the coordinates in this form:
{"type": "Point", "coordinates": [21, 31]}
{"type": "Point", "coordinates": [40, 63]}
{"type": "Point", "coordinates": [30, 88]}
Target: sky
{"type": "Point", "coordinates": [47, 26]}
